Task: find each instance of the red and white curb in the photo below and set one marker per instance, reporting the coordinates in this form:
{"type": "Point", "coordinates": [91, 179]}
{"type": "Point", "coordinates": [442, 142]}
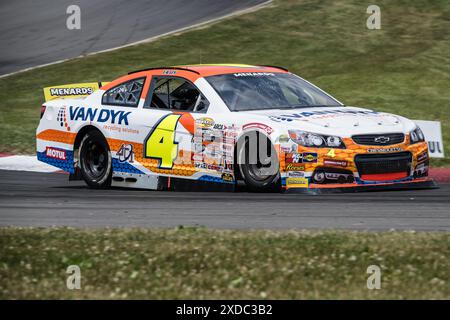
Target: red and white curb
{"type": "Point", "coordinates": [24, 163]}
{"type": "Point", "coordinates": [31, 163]}
{"type": "Point", "coordinates": [440, 174]}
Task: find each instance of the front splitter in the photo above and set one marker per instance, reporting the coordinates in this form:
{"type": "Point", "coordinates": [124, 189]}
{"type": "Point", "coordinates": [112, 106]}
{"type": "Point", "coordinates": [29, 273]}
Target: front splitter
{"type": "Point", "coordinates": [339, 188]}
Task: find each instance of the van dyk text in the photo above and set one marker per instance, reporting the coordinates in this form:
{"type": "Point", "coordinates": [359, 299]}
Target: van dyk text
{"type": "Point", "coordinates": [99, 115]}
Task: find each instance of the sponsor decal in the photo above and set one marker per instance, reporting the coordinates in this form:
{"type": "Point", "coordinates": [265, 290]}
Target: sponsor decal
{"type": "Point", "coordinates": [422, 157]}
{"type": "Point", "coordinates": [231, 132]}
{"type": "Point", "coordinates": [207, 135]}
{"type": "Point", "coordinates": [62, 118]}
{"type": "Point", "coordinates": [294, 167]}
{"type": "Point", "coordinates": [219, 126]}
{"type": "Point", "coordinates": [205, 122]}
{"type": "Point", "coordinates": [309, 157]}
{"type": "Point", "coordinates": [113, 128]}
{"type": "Point", "coordinates": [228, 140]}
{"type": "Point", "coordinates": [283, 138]}
{"type": "Point", "coordinates": [296, 174]}
{"type": "Point", "coordinates": [99, 115]}
{"type": "Point", "coordinates": [169, 72]}
{"type": "Point", "coordinates": [297, 182]}
{"type": "Point", "coordinates": [227, 148]}
{"type": "Point", "coordinates": [197, 157]}
{"type": "Point", "coordinates": [126, 153]}
{"type": "Point", "coordinates": [256, 125]}
{"type": "Point", "coordinates": [381, 150]}
{"type": "Point", "coordinates": [332, 162]}
{"type": "Point", "coordinates": [213, 151]}
{"type": "Point", "coordinates": [61, 92]}
{"type": "Point", "coordinates": [306, 157]}
{"type": "Point", "coordinates": [227, 177]}
{"type": "Point", "coordinates": [307, 114]}
{"type": "Point", "coordinates": [253, 74]}
{"type": "Point", "coordinates": [421, 170]}
{"type": "Point", "coordinates": [71, 90]}
{"type": "Point", "coordinates": [56, 153]}
{"type": "Point", "coordinates": [228, 166]}
{"type": "Point", "coordinates": [337, 175]}
{"type": "Point", "coordinates": [208, 166]}
{"type": "Point", "coordinates": [294, 158]}
{"type": "Point", "coordinates": [287, 149]}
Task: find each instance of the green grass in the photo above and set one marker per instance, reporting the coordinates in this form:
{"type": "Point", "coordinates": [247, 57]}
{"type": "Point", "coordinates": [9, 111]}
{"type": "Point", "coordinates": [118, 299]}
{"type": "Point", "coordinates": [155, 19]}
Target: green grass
{"type": "Point", "coordinates": [403, 68]}
{"type": "Point", "coordinates": [197, 263]}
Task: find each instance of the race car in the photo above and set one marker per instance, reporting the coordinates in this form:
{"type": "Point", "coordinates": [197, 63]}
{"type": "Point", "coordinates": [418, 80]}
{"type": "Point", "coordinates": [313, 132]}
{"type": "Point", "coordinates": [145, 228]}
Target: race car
{"type": "Point", "coordinates": [212, 127]}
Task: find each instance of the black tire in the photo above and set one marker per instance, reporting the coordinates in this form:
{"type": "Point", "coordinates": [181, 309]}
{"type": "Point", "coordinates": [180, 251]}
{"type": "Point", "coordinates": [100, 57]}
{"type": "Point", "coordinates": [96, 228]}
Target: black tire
{"type": "Point", "coordinates": [95, 160]}
{"type": "Point", "coordinates": [254, 178]}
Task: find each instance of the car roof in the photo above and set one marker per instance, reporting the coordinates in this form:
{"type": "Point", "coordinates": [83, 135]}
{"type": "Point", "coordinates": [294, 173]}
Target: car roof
{"type": "Point", "coordinates": [195, 71]}
{"type": "Point", "coordinates": [206, 70]}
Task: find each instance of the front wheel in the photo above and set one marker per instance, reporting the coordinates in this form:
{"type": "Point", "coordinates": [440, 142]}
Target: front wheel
{"type": "Point", "coordinates": [95, 160]}
{"type": "Point", "coordinates": [260, 170]}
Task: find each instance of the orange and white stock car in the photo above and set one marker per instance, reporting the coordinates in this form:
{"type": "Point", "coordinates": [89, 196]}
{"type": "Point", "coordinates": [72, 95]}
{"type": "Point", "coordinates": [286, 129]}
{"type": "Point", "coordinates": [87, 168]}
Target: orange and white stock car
{"type": "Point", "coordinates": [208, 127]}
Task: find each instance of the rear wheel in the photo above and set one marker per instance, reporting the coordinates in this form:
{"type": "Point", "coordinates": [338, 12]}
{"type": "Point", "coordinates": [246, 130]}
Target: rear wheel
{"type": "Point", "coordinates": [95, 160]}
{"type": "Point", "coordinates": [261, 171]}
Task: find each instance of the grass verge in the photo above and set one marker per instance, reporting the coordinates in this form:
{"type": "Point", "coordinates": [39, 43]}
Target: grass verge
{"type": "Point", "coordinates": [403, 68]}
{"type": "Point", "coordinates": [194, 263]}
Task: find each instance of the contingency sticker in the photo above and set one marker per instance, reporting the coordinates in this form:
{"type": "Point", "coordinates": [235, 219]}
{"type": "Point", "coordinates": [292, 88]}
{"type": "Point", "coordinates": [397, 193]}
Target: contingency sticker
{"type": "Point", "coordinates": [297, 182]}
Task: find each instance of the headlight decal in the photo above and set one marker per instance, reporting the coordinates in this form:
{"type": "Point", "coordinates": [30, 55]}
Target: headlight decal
{"type": "Point", "coordinates": [309, 139]}
{"type": "Point", "coordinates": [416, 135]}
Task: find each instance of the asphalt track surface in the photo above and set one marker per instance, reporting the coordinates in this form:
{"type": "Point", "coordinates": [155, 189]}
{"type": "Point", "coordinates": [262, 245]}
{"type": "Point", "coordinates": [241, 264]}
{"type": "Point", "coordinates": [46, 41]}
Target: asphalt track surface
{"type": "Point", "coordinates": [49, 199]}
{"type": "Point", "coordinates": [35, 33]}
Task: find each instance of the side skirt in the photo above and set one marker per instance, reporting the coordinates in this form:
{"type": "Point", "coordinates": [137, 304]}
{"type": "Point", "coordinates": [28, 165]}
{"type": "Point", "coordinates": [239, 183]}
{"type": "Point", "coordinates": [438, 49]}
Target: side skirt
{"type": "Point", "coordinates": [178, 184]}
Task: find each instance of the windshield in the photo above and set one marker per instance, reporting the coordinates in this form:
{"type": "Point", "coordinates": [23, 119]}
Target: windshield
{"type": "Point", "coordinates": [266, 90]}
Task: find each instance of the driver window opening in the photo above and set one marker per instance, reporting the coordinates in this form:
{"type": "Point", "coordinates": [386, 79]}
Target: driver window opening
{"type": "Point", "coordinates": [177, 94]}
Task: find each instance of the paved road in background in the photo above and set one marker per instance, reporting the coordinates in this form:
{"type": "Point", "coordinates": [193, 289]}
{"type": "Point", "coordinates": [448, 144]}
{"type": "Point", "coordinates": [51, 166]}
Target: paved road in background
{"type": "Point", "coordinates": [48, 199]}
{"type": "Point", "coordinates": [34, 32]}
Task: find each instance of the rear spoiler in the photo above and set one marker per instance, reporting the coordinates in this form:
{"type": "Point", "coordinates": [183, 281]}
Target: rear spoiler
{"type": "Point", "coordinates": [74, 90]}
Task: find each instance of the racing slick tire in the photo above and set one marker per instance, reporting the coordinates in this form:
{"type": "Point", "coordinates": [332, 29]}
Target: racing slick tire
{"type": "Point", "coordinates": [259, 177]}
{"type": "Point", "coordinates": [95, 160]}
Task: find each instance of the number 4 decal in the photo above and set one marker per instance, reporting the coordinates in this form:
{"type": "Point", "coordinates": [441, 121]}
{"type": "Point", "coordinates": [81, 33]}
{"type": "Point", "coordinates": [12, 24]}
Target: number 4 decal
{"type": "Point", "coordinates": [160, 143]}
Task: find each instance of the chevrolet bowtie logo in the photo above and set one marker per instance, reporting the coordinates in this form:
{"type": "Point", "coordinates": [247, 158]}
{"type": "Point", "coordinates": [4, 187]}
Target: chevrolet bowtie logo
{"type": "Point", "coordinates": [382, 139]}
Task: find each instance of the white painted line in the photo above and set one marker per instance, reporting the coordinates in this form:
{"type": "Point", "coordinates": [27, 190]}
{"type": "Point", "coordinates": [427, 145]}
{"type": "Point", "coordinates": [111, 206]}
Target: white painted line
{"type": "Point", "coordinates": [181, 30]}
{"type": "Point", "coordinates": [25, 163]}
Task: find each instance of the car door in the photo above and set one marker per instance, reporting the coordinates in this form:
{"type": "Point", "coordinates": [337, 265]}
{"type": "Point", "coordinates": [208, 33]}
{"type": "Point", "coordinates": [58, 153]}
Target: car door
{"type": "Point", "coordinates": [173, 105]}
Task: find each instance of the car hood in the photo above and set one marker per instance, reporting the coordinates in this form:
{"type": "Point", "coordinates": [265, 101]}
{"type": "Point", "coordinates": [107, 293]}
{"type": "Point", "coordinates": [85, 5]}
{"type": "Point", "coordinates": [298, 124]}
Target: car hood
{"type": "Point", "coordinates": [344, 121]}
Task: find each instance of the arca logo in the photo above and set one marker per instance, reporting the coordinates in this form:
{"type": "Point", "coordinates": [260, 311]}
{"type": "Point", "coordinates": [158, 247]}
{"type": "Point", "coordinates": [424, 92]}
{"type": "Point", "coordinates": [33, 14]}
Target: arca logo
{"type": "Point", "coordinates": [99, 115]}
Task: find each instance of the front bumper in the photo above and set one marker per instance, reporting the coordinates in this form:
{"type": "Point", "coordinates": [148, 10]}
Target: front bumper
{"type": "Point", "coordinates": [356, 168]}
